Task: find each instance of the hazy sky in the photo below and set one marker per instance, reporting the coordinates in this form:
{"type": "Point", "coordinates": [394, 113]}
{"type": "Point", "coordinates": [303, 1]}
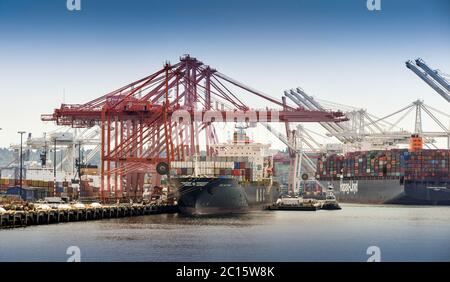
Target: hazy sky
{"type": "Point", "coordinates": [335, 50]}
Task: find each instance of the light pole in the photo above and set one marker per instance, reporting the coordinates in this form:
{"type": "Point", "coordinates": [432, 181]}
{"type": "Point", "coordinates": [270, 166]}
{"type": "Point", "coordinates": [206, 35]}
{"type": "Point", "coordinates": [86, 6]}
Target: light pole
{"type": "Point", "coordinates": [1, 170]}
{"type": "Point", "coordinates": [54, 168]}
{"type": "Point", "coordinates": [21, 157]}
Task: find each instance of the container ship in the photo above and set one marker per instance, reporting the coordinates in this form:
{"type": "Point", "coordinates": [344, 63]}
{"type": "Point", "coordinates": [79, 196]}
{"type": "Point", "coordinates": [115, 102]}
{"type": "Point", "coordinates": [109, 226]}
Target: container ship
{"type": "Point", "coordinates": [396, 176]}
{"type": "Point", "coordinates": [237, 178]}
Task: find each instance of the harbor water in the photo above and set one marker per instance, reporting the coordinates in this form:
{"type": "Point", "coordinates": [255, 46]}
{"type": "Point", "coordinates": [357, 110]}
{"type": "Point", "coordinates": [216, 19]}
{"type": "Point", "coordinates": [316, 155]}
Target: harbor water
{"type": "Point", "coordinates": [401, 233]}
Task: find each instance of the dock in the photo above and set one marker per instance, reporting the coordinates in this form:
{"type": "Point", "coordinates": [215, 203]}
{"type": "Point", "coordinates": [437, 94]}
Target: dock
{"type": "Point", "coordinates": [13, 219]}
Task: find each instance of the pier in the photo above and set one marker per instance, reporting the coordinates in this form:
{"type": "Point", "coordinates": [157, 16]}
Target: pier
{"type": "Point", "coordinates": [13, 218]}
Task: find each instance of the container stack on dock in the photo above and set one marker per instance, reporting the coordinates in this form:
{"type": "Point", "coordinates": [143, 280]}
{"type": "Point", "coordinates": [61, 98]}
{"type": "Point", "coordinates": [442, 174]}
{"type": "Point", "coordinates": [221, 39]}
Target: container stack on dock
{"type": "Point", "coordinates": [41, 189]}
{"type": "Point", "coordinates": [6, 182]}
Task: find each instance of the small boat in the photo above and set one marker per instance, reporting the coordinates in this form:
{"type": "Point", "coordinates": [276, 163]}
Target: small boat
{"type": "Point", "coordinates": [330, 202]}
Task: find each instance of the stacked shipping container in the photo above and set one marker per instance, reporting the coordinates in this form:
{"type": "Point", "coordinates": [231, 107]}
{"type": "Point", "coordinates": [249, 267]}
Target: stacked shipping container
{"type": "Point", "coordinates": [236, 167]}
{"type": "Point", "coordinates": [428, 165]}
{"type": "Point", "coordinates": [394, 163]}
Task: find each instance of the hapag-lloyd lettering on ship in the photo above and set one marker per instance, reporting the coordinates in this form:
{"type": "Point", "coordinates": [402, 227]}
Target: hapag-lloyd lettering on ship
{"type": "Point", "coordinates": [349, 187]}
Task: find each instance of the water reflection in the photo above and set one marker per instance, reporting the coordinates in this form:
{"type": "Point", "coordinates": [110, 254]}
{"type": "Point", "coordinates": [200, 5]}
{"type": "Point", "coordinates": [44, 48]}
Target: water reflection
{"type": "Point", "coordinates": [402, 233]}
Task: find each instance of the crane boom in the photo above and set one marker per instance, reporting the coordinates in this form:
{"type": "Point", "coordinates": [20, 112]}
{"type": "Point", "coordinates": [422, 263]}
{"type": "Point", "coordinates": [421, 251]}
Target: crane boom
{"type": "Point", "coordinates": [433, 73]}
{"type": "Point", "coordinates": [430, 82]}
{"type": "Point", "coordinates": [333, 128]}
{"type": "Point", "coordinates": [317, 105]}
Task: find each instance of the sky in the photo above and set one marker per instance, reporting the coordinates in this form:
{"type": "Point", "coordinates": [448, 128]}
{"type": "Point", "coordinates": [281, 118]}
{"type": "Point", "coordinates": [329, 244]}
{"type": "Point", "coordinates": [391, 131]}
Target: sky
{"type": "Point", "coordinates": [335, 50]}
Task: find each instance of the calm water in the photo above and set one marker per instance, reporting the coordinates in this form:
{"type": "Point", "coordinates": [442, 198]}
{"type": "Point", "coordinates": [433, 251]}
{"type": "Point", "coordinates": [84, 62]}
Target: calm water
{"type": "Point", "coordinates": [402, 233]}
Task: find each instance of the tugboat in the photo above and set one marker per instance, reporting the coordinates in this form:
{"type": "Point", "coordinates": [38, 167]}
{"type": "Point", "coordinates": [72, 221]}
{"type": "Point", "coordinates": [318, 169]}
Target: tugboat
{"type": "Point", "coordinates": [330, 202]}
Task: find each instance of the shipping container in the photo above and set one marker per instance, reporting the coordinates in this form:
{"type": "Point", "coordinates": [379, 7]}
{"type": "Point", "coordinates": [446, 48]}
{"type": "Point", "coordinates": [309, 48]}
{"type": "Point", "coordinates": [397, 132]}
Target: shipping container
{"type": "Point", "coordinates": [420, 164]}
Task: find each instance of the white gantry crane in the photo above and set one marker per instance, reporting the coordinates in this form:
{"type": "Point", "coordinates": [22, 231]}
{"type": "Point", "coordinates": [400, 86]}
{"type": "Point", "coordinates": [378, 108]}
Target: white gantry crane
{"type": "Point", "coordinates": [372, 132]}
{"type": "Point", "coordinates": [301, 99]}
{"type": "Point", "coordinates": [67, 143]}
{"type": "Point", "coordinates": [300, 162]}
{"type": "Point", "coordinates": [388, 133]}
{"type": "Point", "coordinates": [361, 128]}
{"type": "Point", "coordinates": [433, 78]}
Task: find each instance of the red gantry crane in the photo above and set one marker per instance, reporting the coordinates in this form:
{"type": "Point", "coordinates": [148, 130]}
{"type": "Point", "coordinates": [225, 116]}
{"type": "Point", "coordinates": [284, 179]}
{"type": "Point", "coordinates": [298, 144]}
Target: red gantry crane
{"type": "Point", "coordinates": [149, 123]}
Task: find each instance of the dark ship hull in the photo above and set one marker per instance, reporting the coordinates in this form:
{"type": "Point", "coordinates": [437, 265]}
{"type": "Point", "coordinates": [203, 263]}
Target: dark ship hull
{"type": "Point", "coordinates": [210, 195]}
{"type": "Point", "coordinates": [259, 195]}
{"type": "Point", "coordinates": [429, 192]}
{"type": "Point", "coordinates": [397, 176]}
{"type": "Point", "coordinates": [391, 191]}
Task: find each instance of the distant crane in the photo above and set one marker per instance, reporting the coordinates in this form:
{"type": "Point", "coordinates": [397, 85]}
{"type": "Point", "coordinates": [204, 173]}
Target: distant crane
{"type": "Point", "coordinates": [300, 162]}
{"type": "Point", "coordinates": [390, 133]}
{"type": "Point", "coordinates": [432, 77]}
